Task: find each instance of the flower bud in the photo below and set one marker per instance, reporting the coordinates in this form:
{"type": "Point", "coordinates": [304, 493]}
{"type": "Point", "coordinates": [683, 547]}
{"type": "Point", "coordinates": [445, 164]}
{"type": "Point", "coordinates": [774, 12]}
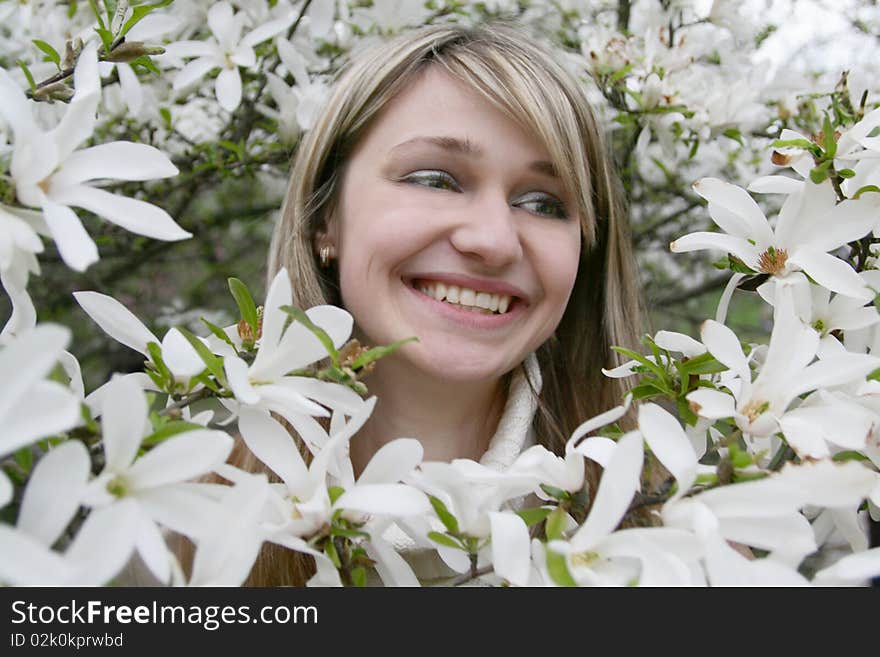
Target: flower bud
{"type": "Point", "coordinates": [129, 51]}
{"type": "Point", "coordinates": [53, 92]}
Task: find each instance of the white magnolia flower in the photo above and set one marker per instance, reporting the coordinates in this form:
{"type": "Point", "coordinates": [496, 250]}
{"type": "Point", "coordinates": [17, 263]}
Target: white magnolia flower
{"type": "Point", "coordinates": [226, 49]}
{"type": "Point", "coordinates": [597, 555]}
{"type": "Point", "coordinates": [51, 175]}
{"type": "Point", "coordinates": [30, 406]}
{"type": "Point", "coordinates": [282, 348]}
{"type": "Point", "coordinates": [119, 323]}
{"type": "Point", "coordinates": [810, 224]}
{"type": "Point", "coordinates": [154, 481]}
{"type": "Point", "coordinates": [101, 547]}
{"type": "Point", "coordinates": [762, 407]}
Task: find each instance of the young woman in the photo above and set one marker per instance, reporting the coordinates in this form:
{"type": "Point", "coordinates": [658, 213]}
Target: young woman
{"type": "Point", "coordinates": [456, 188]}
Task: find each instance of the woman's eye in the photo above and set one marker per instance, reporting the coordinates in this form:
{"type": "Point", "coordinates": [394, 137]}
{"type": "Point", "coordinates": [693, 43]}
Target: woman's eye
{"type": "Point", "coordinates": [435, 179]}
{"type": "Point", "coordinates": [543, 204]}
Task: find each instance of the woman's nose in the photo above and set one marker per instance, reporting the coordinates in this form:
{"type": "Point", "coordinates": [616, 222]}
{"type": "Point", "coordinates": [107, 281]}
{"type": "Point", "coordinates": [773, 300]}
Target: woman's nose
{"type": "Point", "coordinates": [487, 231]}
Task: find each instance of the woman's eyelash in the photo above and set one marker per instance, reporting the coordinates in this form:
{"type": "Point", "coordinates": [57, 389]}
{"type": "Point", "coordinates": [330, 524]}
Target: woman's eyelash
{"type": "Point", "coordinates": [543, 204]}
{"type": "Point", "coordinates": [433, 178]}
{"type": "Point", "coordinates": [535, 202]}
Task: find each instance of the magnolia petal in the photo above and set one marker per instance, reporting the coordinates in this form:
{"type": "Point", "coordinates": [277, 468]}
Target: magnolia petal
{"type": "Point", "coordinates": [326, 574]}
{"type": "Point", "coordinates": [621, 371]}
{"type": "Point", "coordinates": [221, 21]}
{"type": "Point", "coordinates": [195, 70]}
{"type": "Point", "coordinates": [267, 30]}
{"type": "Point", "coordinates": [851, 569]}
{"type": "Point", "coordinates": [74, 244]}
{"type": "Point", "coordinates": [180, 356]}
{"type": "Point", "coordinates": [78, 121]}
{"type": "Point", "coordinates": [123, 420]}
{"type": "Point", "coordinates": [726, 296]}
{"type": "Point", "coordinates": [727, 567]}
{"type": "Point", "coordinates": [830, 272]}
{"type": "Point", "coordinates": [804, 438]}
{"type": "Point", "coordinates": [239, 380]}
{"type": "Point", "coordinates": [724, 345]}
{"type": "Point", "coordinates": [118, 160]}
{"type": "Point", "coordinates": [54, 491]}
{"type": "Point", "coordinates": [601, 420]}
{"type": "Point", "coordinates": [511, 548]}
{"type": "Point", "coordinates": [837, 370]}
{"type": "Point", "coordinates": [384, 499]}
{"type": "Point", "coordinates": [830, 484]}
{"type": "Point", "coordinates": [776, 185]}
{"type": "Point", "coordinates": [153, 550]}
{"type": "Point", "coordinates": [739, 246]}
{"type": "Point", "coordinates": [278, 396]}
{"type": "Point", "coordinates": [619, 483]}
{"type": "Point", "coordinates": [740, 206]}
{"type": "Point", "coordinates": [712, 404]}
{"type": "Point", "coordinates": [332, 395]}
{"type": "Point", "coordinates": [274, 446]}
{"type": "Point", "coordinates": [26, 360]}
{"type": "Point", "coordinates": [228, 89]}
{"type": "Point", "coordinates": [104, 543]}
{"type": "Point", "coordinates": [846, 424]}
{"type": "Point", "coordinates": [685, 344]}
{"type": "Point", "coordinates": [393, 462]}
{"type": "Point", "coordinates": [132, 214]}
{"type": "Point", "coordinates": [790, 534]}
{"type": "Point", "coordinates": [131, 88]}
{"type": "Point", "coordinates": [180, 458]}
{"type": "Point", "coordinates": [763, 498]}
{"type": "Point", "coordinates": [116, 320]}
{"type": "Point", "coordinates": [670, 445]}
{"type": "Point", "coordinates": [27, 562]}
{"type": "Point", "coordinates": [598, 449]}
{"type": "Point", "coordinates": [48, 409]}
{"type": "Point", "coordinates": [846, 521]}
{"type": "Point", "coordinates": [186, 508]}
{"type": "Point", "coordinates": [392, 568]}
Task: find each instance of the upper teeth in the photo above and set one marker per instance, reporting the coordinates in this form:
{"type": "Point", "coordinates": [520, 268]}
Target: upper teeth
{"type": "Point", "coordinates": [465, 296]}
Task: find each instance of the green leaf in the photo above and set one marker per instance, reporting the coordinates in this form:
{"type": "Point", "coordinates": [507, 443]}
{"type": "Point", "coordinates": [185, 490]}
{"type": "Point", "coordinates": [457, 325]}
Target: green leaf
{"type": "Point", "coordinates": [828, 138]}
{"type": "Point", "coordinates": [110, 6]}
{"type": "Point", "coordinates": [557, 493]}
{"type": "Point", "coordinates": [359, 576]}
{"type": "Point", "coordinates": [703, 364]}
{"type": "Point", "coordinates": [685, 412]}
{"type": "Point", "coordinates": [534, 515]}
{"type": "Point", "coordinates": [658, 370]}
{"type": "Point", "coordinates": [51, 54]}
{"type": "Point", "coordinates": [165, 113]}
{"type": "Point", "coordinates": [219, 332]}
{"type": "Point", "coordinates": [375, 353]}
{"type": "Point", "coordinates": [646, 390]}
{"type": "Point", "coordinates": [865, 189]}
{"type": "Point", "coordinates": [169, 429]}
{"type": "Point", "coordinates": [347, 533]}
{"type": "Point", "coordinates": [212, 362]}
{"type": "Point", "coordinates": [734, 134]}
{"type": "Point", "coordinates": [88, 420]}
{"type": "Point", "coordinates": [557, 521]}
{"type": "Point", "coordinates": [27, 74]}
{"type": "Point", "coordinates": [319, 333]}
{"type": "Point", "coordinates": [139, 12]}
{"type": "Point", "coordinates": [445, 540]}
{"type": "Point", "coordinates": [332, 554]}
{"type": "Point", "coordinates": [806, 144]}
{"type": "Point", "coordinates": [106, 38]}
{"type": "Point", "coordinates": [335, 492]}
{"type": "Point", "coordinates": [620, 73]}
{"type": "Point", "coordinates": [738, 457]}
{"type": "Point", "coordinates": [155, 352]}
{"type": "Point", "coordinates": [24, 457]}
{"type": "Point", "coordinates": [846, 173]}
{"type": "Point", "coordinates": [245, 303]}
{"type": "Point", "coordinates": [557, 568]}
{"type": "Point", "coordinates": [849, 455]}
{"type": "Point", "coordinates": [97, 14]}
{"type": "Point", "coordinates": [443, 513]}
{"type": "Point", "coordinates": [820, 173]}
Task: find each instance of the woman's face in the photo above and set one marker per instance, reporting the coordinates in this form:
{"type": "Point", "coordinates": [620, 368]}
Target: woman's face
{"type": "Point", "coordinates": [452, 227]}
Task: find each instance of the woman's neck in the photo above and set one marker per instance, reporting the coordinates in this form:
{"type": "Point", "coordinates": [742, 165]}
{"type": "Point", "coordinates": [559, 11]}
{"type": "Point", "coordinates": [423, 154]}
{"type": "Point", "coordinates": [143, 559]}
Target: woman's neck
{"type": "Point", "coordinates": [451, 419]}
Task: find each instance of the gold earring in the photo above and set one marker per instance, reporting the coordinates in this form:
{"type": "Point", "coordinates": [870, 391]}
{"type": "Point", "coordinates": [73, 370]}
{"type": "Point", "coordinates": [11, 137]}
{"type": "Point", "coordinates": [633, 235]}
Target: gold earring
{"type": "Point", "coordinates": [324, 255]}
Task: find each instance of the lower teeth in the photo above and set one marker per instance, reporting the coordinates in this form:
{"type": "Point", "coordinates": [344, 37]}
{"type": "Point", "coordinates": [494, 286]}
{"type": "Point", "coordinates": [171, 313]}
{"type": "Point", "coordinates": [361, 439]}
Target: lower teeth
{"type": "Point", "coordinates": [473, 309]}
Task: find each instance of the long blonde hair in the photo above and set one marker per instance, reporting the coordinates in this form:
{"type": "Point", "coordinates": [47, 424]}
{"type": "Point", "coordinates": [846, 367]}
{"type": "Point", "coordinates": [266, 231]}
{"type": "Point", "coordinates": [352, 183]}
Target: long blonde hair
{"type": "Point", "coordinates": [503, 64]}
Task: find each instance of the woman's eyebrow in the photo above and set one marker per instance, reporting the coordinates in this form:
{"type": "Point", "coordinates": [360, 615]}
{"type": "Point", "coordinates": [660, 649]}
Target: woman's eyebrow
{"type": "Point", "coordinates": [467, 147]}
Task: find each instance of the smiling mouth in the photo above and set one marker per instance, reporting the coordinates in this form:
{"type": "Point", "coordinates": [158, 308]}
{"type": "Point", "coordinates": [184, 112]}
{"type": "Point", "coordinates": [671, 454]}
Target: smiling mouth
{"type": "Point", "coordinates": [465, 298]}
